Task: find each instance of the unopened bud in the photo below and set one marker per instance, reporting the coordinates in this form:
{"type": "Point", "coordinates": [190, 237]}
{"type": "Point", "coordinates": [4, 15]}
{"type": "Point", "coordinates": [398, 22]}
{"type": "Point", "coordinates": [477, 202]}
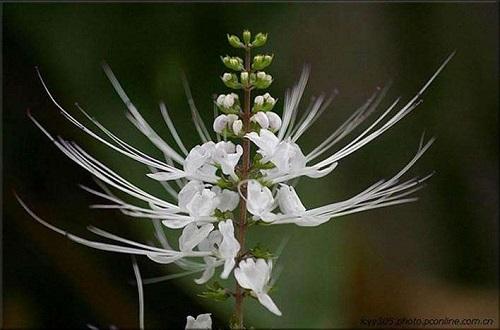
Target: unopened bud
{"type": "Point", "coordinates": [274, 121]}
{"type": "Point", "coordinates": [237, 127]}
{"type": "Point", "coordinates": [263, 80]}
{"type": "Point", "coordinates": [220, 123]}
{"type": "Point", "coordinates": [261, 61]}
{"type": "Point", "coordinates": [244, 78]}
{"type": "Point", "coordinates": [263, 103]}
{"type": "Point", "coordinates": [233, 63]}
{"type": "Point", "coordinates": [246, 37]}
{"type": "Point", "coordinates": [231, 118]}
{"type": "Point", "coordinates": [259, 100]}
{"type": "Point", "coordinates": [235, 41]}
{"type": "Point", "coordinates": [260, 40]}
{"type": "Point", "coordinates": [230, 80]}
{"type": "Point", "coordinates": [261, 119]}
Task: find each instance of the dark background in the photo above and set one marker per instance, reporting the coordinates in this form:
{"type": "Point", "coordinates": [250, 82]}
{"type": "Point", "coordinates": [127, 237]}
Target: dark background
{"type": "Point", "coordinates": [435, 258]}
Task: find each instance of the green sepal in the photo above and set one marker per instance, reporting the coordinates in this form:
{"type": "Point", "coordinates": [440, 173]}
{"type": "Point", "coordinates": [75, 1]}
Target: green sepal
{"type": "Point", "coordinates": [261, 252]}
{"type": "Point", "coordinates": [225, 184]}
{"type": "Point", "coordinates": [215, 292]}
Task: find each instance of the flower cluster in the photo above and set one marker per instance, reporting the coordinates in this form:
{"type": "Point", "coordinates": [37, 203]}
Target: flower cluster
{"type": "Point", "coordinates": [243, 176]}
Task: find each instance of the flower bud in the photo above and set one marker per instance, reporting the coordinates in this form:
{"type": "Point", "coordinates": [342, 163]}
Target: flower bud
{"type": "Point", "coordinates": [244, 78]}
{"type": "Point", "coordinates": [237, 127]}
{"type": "Point", "coordinates": [259, 100]}
{"type": "Point", "coordinates": [231, 118]}
{"type": "Point", "coordinates": [235, 41]}
{"type": "Point", "coordinates": [263, 103]}
{"type": "Point", "coordinates": [261, 119]}
{"type": "Point", "coordinates": [228, 103]}
{"type": "Point", "coordinates": [231, 80]}
{"type": "Point", "coordinates": [233, 63]}
{"type": "Point", "coordinates": [220, 123]}
{"type": "Point", "coordinates": [261, 61]}
{"type": "Point", "coordinates": [220, 99]}
{"type": "Point", "coordinates": [263, 80]}
{"type": "Point", "coordinates": [274, 121]}
{"type": "Point", "coordinates": [246, 37]}
{"type": "Point", "coordinates": [260, 40]}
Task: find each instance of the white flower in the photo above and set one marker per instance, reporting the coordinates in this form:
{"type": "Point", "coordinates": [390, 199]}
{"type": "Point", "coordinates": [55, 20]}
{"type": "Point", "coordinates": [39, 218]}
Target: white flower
{"type": "Point", "coordinates": [202, 321]}
{"type": "Point", "coordinates": [227, 77]}
{"type": "Point", "coordinates": [255, 276]}
{"type": "Point", "coordinates": [237, 126]}
{"type": "Point", "coordinates": [198, 161]}
{"type": "Point", "coordinates": [197, 200]}
{"type": "Point", "coordinates": [274, 121]}
{"type": "Point", "coordinates": [229, 247]}
{"type": "Point", "coordinates": [228, 199]}
{"type": "Point", "coordinates": [261, 119]}
{"type": "Point", "coordinates": [227, 155]}
{"type": "Point", "coordinates": [266, 141]}
{"type": "Point", "coordinates": [192, 236]}
{"type": "Point", "coordinates": [260, 200]}
{"type": "Point", "coordinates": [289, 201]}
{"type": "Point", "coordinates": [287, 156]}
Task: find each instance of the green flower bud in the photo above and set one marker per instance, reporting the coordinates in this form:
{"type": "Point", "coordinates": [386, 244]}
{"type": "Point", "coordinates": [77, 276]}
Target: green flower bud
{"type": "Point", "coordinates": [262, 80]}
{"type": "Point", "coordinates": [247, 37]}
{"type": "Point", "coordinates": [261, 61]}
{"type": "Point", "coordinates": [231, 80]}
{"type": "Point", "coordinates": [260, 40]}
{"type": "Point", "coordinates": [235, 41]}
{"type": "Point", "coordinates": [233, 63]}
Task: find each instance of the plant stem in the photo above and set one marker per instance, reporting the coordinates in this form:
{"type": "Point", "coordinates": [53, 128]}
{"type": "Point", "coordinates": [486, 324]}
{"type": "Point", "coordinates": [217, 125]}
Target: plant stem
{"type": "Point", "coordinates": [242, 224]}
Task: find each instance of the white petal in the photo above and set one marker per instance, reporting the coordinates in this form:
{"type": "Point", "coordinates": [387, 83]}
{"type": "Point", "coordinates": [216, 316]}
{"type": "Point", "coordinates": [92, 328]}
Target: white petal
{"type": "Point", "coordinates": [227, 155]}
{"type": "Point", "coordinates": [229, 247]}
{"type": "Point", "coordinates": [202, 321]}
{"type": "Point", "coordinates": [192, 236]}
{"type": "Point", "coordinates": [268, 303]}
{"type": "Point", "coordinates": [187, 193]}
{"type": "Point", "coordinates": [203, 204]}
{"type": "Point", "coordinates": [209, 271]}
{"type": "Point", "coordinates": [265, 140]}
{"type": "Point", "coordinates": [228, 199]}
{"type": "Point", "coordinates": [288, 200]}
{"type": "Point", "coordinates": [259, 199]}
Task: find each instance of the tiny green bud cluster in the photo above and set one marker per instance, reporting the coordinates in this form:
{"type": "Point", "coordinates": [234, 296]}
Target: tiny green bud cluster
{"type": "Point", "coordinates": [233, 62]}
{"type": "Point", "coordinates": [259, 40]}
{"type": "Point", "coordinates": [261, 61]}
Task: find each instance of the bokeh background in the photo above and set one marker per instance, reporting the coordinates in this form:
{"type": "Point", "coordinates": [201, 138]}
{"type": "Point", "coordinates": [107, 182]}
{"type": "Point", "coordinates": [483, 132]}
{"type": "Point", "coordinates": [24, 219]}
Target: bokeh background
{"type": "Point", "coordinates": [435, 258]}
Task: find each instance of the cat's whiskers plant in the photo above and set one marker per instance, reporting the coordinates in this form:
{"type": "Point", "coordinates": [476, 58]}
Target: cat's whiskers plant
{"type": "Point", "coordinates": [219, 189]}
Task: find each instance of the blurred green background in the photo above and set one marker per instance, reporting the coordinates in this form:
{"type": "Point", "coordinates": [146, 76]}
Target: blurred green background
{"type": "Point", "coordinates": [434, 258]}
